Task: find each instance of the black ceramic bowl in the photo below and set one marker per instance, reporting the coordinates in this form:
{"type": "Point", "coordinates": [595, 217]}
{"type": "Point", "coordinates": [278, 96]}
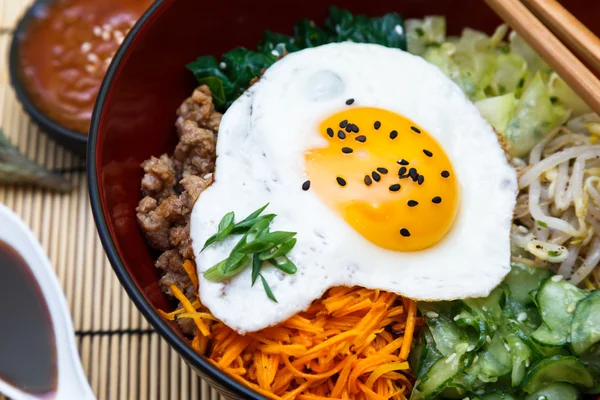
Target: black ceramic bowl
{"type": "Point", "coordinates": [72, 140]}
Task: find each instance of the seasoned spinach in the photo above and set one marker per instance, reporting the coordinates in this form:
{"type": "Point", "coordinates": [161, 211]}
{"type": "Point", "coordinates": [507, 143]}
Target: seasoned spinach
{"type": "Point", "coordinates": [230, 77]}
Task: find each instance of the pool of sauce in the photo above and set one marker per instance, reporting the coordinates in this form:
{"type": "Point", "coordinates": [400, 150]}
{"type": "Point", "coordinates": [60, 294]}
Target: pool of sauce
{"type": "Point", "coordinates": [66, 50]}
{"type": "Point", "coordinates": [27, 341]}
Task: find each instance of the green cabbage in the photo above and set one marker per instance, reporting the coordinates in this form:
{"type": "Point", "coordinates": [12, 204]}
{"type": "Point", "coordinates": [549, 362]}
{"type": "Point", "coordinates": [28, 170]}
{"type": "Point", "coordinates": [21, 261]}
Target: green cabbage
{"type": "Point", "coordinates": [513, 88]}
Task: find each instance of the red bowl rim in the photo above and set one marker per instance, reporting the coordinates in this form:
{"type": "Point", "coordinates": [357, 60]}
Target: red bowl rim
{"type": "Point", "coordinates": [198, 362]}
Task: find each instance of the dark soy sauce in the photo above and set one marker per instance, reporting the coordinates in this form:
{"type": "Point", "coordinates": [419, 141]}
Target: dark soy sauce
{"type": "Point", "coordinates": [27, 342]}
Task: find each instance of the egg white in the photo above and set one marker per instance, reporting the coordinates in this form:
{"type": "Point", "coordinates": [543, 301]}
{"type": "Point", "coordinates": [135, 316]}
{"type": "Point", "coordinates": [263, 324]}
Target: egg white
{"type": "Point", "coordinates": [261, 159]}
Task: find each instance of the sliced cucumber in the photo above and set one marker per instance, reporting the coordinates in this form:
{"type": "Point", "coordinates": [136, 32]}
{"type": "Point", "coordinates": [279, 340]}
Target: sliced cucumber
{"type": "Point", "coordinates": [555, 391]}
{"type": "Point", "coordinates": [545, 337]}
{"type": "Point", "coordinates": [490, 308]}
{"type": "Point", "coordinates": [434, 381]}
{"type": "Point", "coordinates": [566, 369]}
{"type": "Point", "coordinates": [493, 360]}
{"type": "Point", "coordinates": [522, 280]}
{"type": "Point", "coordinates": [520, 354]}
{"type": "Point", "coordinates": [449, 338]}
{"type": "Point", "coordinates": [585, 328]}
{"type": "Point", "coordinates": [475, 326]}
{"type": "Point", "coordinates": [496, 396]}
{"type": "Point", "coordinates": [557, 301]}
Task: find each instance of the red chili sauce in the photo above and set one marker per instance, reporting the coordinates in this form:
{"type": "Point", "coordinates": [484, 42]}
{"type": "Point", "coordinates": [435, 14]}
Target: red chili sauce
{"type": "Point", "coordinates": [66, 51]}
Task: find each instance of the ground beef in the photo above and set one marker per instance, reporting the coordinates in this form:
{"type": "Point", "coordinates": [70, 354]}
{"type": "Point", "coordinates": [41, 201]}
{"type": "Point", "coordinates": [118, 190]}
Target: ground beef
{"type": "Point", "coordinates": [171, 185]}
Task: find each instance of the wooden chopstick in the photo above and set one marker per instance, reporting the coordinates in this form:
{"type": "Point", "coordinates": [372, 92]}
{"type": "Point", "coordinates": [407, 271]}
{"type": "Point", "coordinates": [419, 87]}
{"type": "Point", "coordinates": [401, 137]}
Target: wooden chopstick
{"type": "Point", "coordinates": [552, 50]}
{"type": "Point", "coordinates": [569, 29]}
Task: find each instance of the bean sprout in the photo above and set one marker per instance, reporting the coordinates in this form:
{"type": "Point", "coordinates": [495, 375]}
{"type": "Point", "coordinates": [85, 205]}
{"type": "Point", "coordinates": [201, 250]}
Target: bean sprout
{"type": "Point", "coordinates": [557, 215]}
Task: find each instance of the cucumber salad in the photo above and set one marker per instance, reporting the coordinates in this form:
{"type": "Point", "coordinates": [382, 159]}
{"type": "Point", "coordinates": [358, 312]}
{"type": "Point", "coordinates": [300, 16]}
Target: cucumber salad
{"type": "Point", "coordinates": [537, 336]}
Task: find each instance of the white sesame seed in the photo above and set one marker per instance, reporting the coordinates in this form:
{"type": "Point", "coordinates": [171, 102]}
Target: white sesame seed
{"type": "Point", "coordinates": [399, 30]}
{"type": "Point", "coordinates": [93, 58]}
{"type": "Point", "coordinates": [105, 36]}
{"type": "Point", "coordinates": [557, 278]}
{"type": "Point", "coordinates": [275, 53]}
{"type": "Point", "coordinates": [494, 327]}
{"type": "Point", "coordinates": [484, 308]}
{"type": "Point", "coordinates": [107, 27]}
{"type": "Point", "coordinates": [542, 398]}
{"type": "Point", "coordinates": [471, 348]}
{"type": "Point", "coordinates": [222, 65]}
{"type": "Point", "coordinates": [450, 358]}
{"type": "Point", "coordinates": [97, 31]}
{"type": "Point", "coordinates": [522, 317]}
{"type": "Point", "coordinates": [475, 359]}
{"type": "Point", "coordinates": [120, 40]}
{"type": "Point", "coordinates": [85, 47]}
{"type": "Point", "coordinates": [431, 314]}
{"type": "Point", "coordinates": [108, 60]}
{"type": "Point", "coordinates": [90, 68]}
{"type": "Point", "coordinates": [507, 347]}
{"type": "Point", "coordinates": [522, 229]}
{"type": "Point", "coordinates": [456, 318]}
{"type": "Point", "coordinates": [467, 398]}
{"type": "Point", "coordinates": [527, 363]}
{"type": "Point", "coordinates": [571, 308]}
{"type": "Point", "coordinates": [488, 339]}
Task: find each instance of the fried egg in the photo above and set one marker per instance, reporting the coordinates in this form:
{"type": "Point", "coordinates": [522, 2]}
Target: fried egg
{"type": "Point", "coordinates": [387, 172]}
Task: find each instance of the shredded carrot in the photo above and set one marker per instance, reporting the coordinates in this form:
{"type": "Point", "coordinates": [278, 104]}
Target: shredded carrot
{"type": "Point", "coordinates": [410, 329]}
{"type": "Point", "coordinates": [190, 268]}
{"type": "Point", "coordinates": [189, 308]}
{"type": "Point", "coordinates": [345, 346]}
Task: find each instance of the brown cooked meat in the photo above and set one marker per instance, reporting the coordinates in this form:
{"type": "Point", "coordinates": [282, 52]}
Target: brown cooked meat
{"type": "Point", "coordinates": [171, 185]}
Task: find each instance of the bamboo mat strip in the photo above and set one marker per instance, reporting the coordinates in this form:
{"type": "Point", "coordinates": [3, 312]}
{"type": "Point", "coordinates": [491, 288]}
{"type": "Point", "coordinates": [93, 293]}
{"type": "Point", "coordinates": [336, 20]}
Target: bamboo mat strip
{"type": "Point", "coordinates": [122, 356]}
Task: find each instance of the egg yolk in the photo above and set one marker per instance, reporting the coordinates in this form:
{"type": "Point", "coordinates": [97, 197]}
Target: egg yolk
{"type": "Point", "coordinates": [386, 176]}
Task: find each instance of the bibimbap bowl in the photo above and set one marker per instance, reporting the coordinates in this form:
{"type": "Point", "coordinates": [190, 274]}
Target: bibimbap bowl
{"type": "Point", "coordinates": [135, 114]}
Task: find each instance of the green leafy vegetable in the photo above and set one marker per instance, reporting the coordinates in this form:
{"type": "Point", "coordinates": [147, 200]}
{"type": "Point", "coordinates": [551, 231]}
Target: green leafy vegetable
{"type": "Point", "coordinates": [257, 245]}
{"type": "Point", "coordinates": [229, 78]}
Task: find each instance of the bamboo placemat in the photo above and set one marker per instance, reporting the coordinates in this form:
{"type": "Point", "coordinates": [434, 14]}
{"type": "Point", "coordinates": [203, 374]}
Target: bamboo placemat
{"type": "Point", "coordinates": [122, 356]}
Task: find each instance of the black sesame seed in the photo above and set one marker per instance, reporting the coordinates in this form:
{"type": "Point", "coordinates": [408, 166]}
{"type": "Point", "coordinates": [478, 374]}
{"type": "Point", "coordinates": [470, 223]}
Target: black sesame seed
{"type": "Point", "coordinates": [445, 174]}
{"type": "Point", "coordinates": [402, 162]}
{"type": "Point", "coordinates": [404, 232]}
{"type": "Point", "coordinates": [402, 171]}
{"type": "Point", "coordinates": [349, 128]}
{"type": "Point", "coordinates": [330, 132]}
{"type": "Point", "coordinates": [420, 179]}
{"type": "Point", "coordinates": [341, 134]}
{"type": "Point", "coordinates": [427, 153]}
{"type": "Point", "coordinates": [415, 129]}
{"type": "Point", "coordinates": [413, 173]}
{"type": "Point", "coordinates": [306, 185]}
{"type": "Point", "coordinates": [340, 181]}
{"type": "Point", "coordinates": [415, 178]}
{"type": "Point", "coordinates": [361, 138]}
{"type": "Point", "coordinates": [393, 134]}
{"type": "Point", "coordinates": [349, 101]}
{"type": "Point", "coordinates": [376, 176]}
{"type": "Point", "coordinates": [368, 180]}
{"type": "Point", "coordinates": [347, 150]}
{"type": "Point", "coordinates": [436, 200]}
{"type": "Point", "coordinates": [412, 203]}
{"type": "Point", "coordinates": [382, 170]}
{"type": "Point", "coordinates": [394, 188]}
{"type": "Point", "coordinates": [377, 125]}
{"type": "Point", "coordinates": [343, 123]}
{"type": "Point", "coordinates": [355, 128]}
